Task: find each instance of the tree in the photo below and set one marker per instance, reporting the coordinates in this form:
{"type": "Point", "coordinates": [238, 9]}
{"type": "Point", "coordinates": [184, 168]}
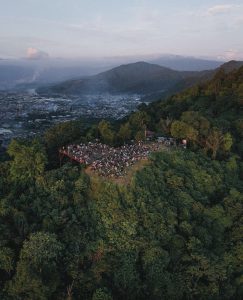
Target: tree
{"type": "Point", "coordinates": [124, 133]}
{"type": "Point", "coordinates": [227, 142]}
{"type": "Point", "coordinates": [216, 140]}
{"type": "Point", "coordinates": [182, 130]}
{"type": "Point", "coordinates": [92, 133]}
{"type": "Point", "coordinates": [140, 136]}
{"type": "Point", "coordinates": [6, 259]}
{"type": "Point", "coordinates": [239, 127]}
{"type": "Point", "coordinates": [106, 133]}
{"type": "Point", "coordinates": [61, 135]}
{"type": "Point", "coordinates": [102, 294]}
{"type": "Point", "coordinates": [37, 276]}
{"type": "Point", "coordinates": [126, 277]}
{"type": "Point", "coordinates": [164, 125]}
{"type": "Point", "coordinates": [198, 122]}
{"type": "Point", "coordinates": [28, 161]}
{"type": "Point", "coordinates": [41, 251]}
{"type": "Point", "coordinates": [139, 119]}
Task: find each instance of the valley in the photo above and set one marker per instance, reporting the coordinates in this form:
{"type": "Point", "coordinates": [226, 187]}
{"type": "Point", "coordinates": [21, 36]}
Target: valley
{"type": "Point", "coordinates": [113, 94]}
{"type": "Point", "coordinates": [25, 115]}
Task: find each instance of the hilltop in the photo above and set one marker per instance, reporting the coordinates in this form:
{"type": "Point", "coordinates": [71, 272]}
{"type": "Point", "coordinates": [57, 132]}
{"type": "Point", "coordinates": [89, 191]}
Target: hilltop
{"type": "Point", "coordinates": [170, 229]}
{"type": "Point", "coordinates": [231, 65]}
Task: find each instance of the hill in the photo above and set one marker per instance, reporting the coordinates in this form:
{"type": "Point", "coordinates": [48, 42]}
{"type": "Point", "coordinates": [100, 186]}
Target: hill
{"type": "Point", "coordinates": [217, 103]}
{"type": "Point", "coordinates": [231, 65]}
{"type": "Point", "coordinates": [140, 77]}
{"type": "Point", "coordinates": [173, 232]}
{"type": "Point", "coordinates": [224, 90]}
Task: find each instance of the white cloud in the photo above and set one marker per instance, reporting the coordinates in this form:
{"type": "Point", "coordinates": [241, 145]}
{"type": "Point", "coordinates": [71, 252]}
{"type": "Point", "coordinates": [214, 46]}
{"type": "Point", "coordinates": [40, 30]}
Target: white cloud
{"type": "Point", "coordinates": [231, 54]}
{"type": "Point", "coordinates": [33, 53]}
{"type": "Point", "coordinates": [220, 9]}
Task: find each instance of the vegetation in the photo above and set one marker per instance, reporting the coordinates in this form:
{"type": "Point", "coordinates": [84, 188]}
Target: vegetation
{"type": "Point", "coordinates": [175, 232]}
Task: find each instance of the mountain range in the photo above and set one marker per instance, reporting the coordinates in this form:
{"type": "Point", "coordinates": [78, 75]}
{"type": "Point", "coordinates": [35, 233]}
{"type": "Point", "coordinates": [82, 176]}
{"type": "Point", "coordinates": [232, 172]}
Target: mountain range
{"type": "Point", "coordinates": [182, 63]}
{"type": "Point", "coordinates": [139, 77]}
{"type": "Point", "coordinates": [150, 80]}
{"type": "Point", "coordinates": [24, 73]}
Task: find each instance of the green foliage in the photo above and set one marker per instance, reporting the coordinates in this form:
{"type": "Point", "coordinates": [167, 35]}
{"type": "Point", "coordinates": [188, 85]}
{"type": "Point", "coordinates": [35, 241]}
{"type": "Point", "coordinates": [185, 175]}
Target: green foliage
{"type": "Point", "coordinates": [164, 125]}
{"type": "Point", "coordinates": [101, 294]}
{"type": "Point", "coordinates": [198, 122]}
{"type": "Point", "coordinates": [216, 140]}
{"type": "Point", "coordinates": [6, 259]}
{"type": "Point", "coordinates": [28, 161]}
{"type": "Point", "coordinates": [124, 133]}
{"type": "Point", "coordinates": [175, 232]}
{"type": "Point", "coordinates": [126, 277]}
{"type": "Point", "coordinates": [138, 122]}
{"type": "Point", "coordinates": [212, 109]}
{"type": "Point", "coordinates": [139, 119]}
{"type": "Point", "coordinates": [37, 273]}
{"type": "Point", "coordinates": [182, 130]}
{"type": "Point", "coordinates": [60, 135]}
{"type": "Point", "coordinates": [228, 142]}
{"type": "Point", "coordinates": [106, 133]}
{"type": "Point", "coordinates": [239, 127]}
{"type": "Point", "coordinates": [41, 251]}
{"type": "Point", "coordinates": [140, 136]}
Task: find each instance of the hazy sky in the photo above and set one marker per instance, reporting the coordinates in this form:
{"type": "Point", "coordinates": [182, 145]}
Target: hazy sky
{"type": "Point", "coordinates": [79, 28]}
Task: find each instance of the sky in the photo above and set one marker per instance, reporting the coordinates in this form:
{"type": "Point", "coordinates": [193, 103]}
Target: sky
{"type": "Point", "coordinates": [104, 28]}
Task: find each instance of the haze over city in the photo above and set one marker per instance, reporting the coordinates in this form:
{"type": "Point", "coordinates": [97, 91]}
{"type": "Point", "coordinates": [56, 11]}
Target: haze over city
{"type": "Point", "coordinates": [76, 29]}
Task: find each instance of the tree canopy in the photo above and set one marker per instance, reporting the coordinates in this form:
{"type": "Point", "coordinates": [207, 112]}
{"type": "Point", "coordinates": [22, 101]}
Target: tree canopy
{"type": "Point", "coordinates": [174, 232]}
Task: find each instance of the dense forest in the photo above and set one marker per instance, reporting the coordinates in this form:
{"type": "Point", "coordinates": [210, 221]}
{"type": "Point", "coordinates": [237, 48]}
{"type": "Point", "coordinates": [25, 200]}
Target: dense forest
{"type": "Point", "coordinates": [174, 232]}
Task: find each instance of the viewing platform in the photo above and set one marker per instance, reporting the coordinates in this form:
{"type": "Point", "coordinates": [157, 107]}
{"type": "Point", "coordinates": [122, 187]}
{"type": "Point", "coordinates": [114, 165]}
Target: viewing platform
{"type": "Point", "coordinates": [109, 161]}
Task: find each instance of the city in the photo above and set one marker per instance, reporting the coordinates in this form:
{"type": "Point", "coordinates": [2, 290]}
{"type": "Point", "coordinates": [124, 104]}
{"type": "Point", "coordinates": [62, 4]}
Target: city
{"type": "Point", "coordinates": [28, 114]}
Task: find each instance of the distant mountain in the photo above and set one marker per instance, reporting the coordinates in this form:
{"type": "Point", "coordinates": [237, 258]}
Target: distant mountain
{"type": "Point", "coordinates": [182, 63]}
{"type": "Point", "coordinates": [140, 77]}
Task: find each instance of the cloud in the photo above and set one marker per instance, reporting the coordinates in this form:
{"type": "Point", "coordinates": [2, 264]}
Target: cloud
{"type": "Point", "coordinates": [33, 53]}
{"type": "Point", "coordinates": [220, 9]}
{"type": "Point", "coordinates": [231, 54]}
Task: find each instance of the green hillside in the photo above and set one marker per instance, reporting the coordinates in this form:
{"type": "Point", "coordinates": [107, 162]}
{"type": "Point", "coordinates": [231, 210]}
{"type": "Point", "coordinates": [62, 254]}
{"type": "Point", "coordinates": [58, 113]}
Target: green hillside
{"type": "Point", "coordinates": [215, 104]}
{"type": "Point", "coordinates": [175, 231]}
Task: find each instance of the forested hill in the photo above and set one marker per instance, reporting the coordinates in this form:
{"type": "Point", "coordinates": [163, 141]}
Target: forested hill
{"type": "Point", "coordinates": [140, 77]}
{"type": "Point", "coordinates": [220, 97]}
{"type": "Point", "coordinates": [231, 66]}
{"type": "Point", "coordinates": [218, 102]}
{"type": "Point", "coordinates": [174, 232]}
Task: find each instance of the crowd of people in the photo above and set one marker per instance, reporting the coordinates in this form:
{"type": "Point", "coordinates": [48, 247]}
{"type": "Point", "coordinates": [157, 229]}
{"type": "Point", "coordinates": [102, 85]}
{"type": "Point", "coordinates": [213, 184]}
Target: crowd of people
{"type": "Point", "coordinates": [108, 161]}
